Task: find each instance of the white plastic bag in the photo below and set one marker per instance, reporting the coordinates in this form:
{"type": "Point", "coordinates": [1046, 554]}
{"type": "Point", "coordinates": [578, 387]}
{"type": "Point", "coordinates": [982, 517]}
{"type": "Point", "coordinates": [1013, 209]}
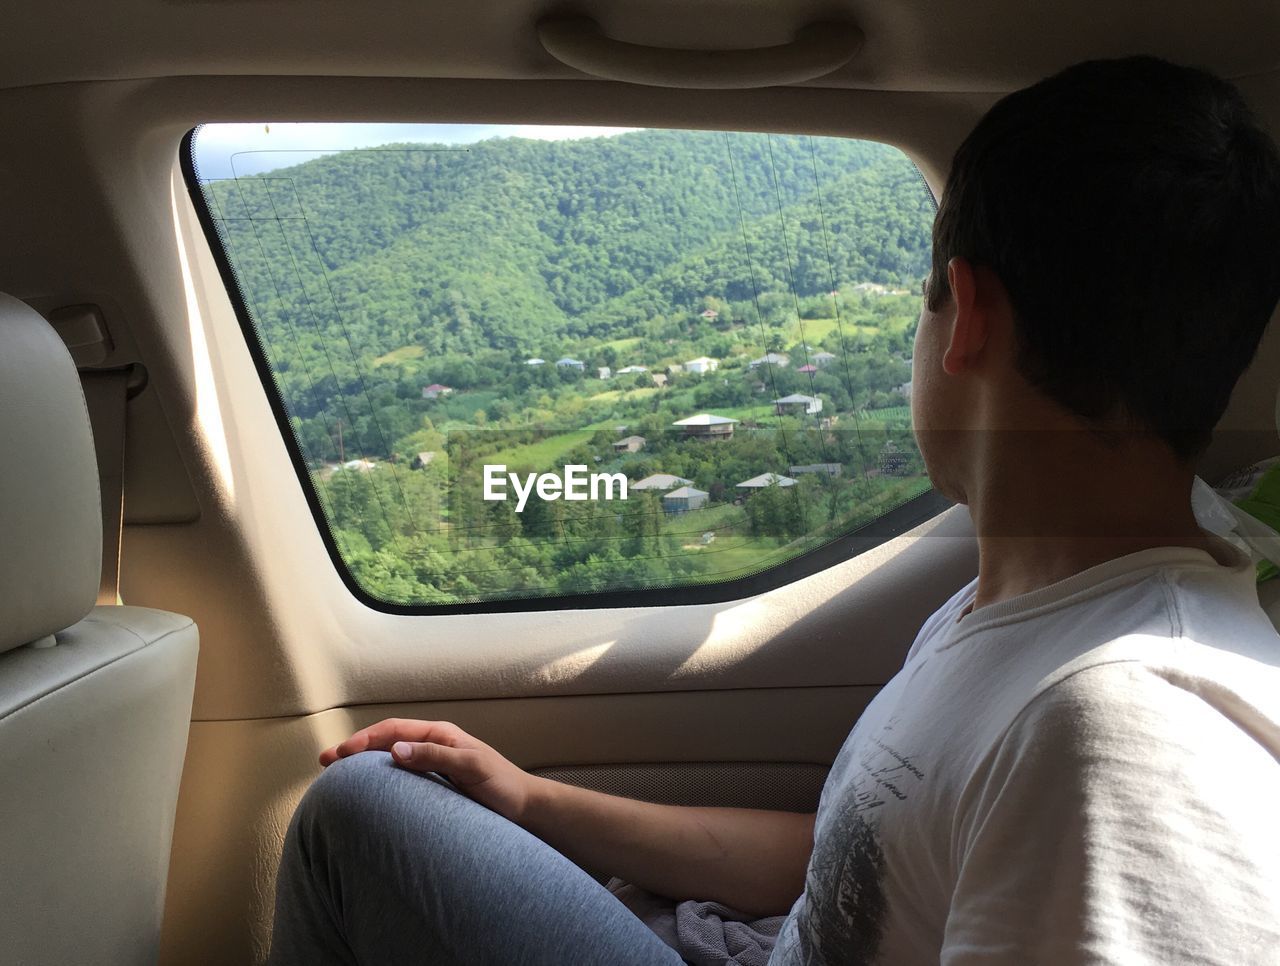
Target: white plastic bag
{"type": "Point", "coordinates": [1223, 518]}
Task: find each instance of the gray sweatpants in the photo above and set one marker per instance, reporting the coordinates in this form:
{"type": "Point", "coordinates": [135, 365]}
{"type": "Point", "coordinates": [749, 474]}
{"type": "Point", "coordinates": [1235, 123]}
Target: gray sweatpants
{"type": "Point", "coordinates": [382, 866]}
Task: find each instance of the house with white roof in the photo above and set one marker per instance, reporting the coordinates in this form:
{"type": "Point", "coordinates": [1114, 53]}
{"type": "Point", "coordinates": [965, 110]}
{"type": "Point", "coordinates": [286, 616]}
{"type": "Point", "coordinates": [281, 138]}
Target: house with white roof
{"type": "Point", "coordinates": [568, 363]}
{"type": "Point", "coordinates": [685, 499]}
{"type": "Point", "coordinates": [702, 364]}
{"type": "Point", "coordinates": [629, 370]}
{"type": "Point", "coordinates": [797, 404]}
{"type": "Point", "coordinates": [823, 359]}
{"type": "Point", "coordinates": [535, 362]}
{"type": "Point", "coordinates": [629, 444]}
{"type": "Point", "coordinates": [766, 479]}
{"type": "Point", "coordinates": [707, 426]}
{"type": "Point", "coordinates": [660, 481]}
{"type": "Point", "coordinates": [769, 359]}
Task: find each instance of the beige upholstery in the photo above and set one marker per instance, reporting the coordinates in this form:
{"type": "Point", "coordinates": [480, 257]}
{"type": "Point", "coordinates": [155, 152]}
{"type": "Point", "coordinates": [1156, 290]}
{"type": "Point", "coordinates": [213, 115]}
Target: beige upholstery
{"type": "Point", "coordinates": [94, 702]}
{"type": "Point", "coordinates": [50, 516]}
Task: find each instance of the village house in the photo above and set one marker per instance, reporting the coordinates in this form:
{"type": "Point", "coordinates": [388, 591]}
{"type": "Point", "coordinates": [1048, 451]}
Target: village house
{"type": "Point", "coordinates": [660, 481]}
{"type": "Point", "coordinates": [422, 461]}
{"type": "Point", "coordinates": [702, 364]}
{"type": "Point", "coordinates": [709, 314]}
{"type": "Point", "coordinates": [769, 359]}
{"type": "Point", "coordinates": [359, 466]}
{"type": "Point", "coordinates": [766, 479]}
{"type": "Point", "coordinates": [659, 380]}
{"type": "Point", "coordinates": [630, 444]}
{"type": "Point", "coordinates": [797, 404]}
{"type": "Point", "coordinates": [830, 469]}
{"type": "Point", "coordinates": [808, 370]}
{"type": "Point", "coordinates": [685, 499]}
{"type": "Point", "coordinates": [604, 372]}
{"type": "Point", "coordinates": [435, 391]}
{"type": "Point", "coordinates": [535, 362]}
{"type": "Point", "coordinates": [823, 359]}
{"type": "Point", "coordinates": [567, 363]}
{"type": "Point", "coordinates": [630, 370]}
{"type": "Point", "coordinates": [707, 426]}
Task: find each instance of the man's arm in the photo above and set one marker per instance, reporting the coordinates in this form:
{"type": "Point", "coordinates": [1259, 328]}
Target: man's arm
{"type": "Point", "coordinates": [752, 860]}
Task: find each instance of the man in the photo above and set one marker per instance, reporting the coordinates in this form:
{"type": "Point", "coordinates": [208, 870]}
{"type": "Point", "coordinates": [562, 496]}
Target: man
{"type": "Point", "coordinates": [1080, 760]}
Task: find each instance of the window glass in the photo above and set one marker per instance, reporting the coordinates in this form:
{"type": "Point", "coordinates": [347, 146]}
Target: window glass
{"type": "Point", "coordinates": [526, 362]}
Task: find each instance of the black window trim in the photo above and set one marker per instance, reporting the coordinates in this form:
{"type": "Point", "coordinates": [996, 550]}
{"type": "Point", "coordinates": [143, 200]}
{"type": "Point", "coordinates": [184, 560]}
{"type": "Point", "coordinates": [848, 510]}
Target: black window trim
{"type": "Point", "coordinates": [895, 522]}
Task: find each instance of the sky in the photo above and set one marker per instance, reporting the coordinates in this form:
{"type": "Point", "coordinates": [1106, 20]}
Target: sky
{"type": "Point", "coordinates": [230, 150]}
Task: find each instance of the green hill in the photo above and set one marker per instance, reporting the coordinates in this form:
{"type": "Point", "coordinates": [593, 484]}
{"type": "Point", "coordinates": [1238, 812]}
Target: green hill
{"type": "Point", "coordinates": [523, 245]}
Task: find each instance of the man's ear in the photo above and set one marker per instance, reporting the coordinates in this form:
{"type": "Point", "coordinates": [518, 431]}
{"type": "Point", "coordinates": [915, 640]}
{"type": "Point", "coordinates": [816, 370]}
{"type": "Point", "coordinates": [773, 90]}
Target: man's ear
{"type": "Point", "coordinates": [971, 326]}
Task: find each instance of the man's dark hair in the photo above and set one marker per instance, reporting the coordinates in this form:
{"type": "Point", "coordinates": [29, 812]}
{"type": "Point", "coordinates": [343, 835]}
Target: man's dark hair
{"type": "Point", "coordinates": [1132, 210]}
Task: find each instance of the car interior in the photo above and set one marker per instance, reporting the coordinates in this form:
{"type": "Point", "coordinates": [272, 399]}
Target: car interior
{"type": "Point", "coordinates": [150, 499]}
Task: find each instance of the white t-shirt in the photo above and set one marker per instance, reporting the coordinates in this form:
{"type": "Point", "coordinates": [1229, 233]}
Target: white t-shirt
{"type": "Point", "coordinates": [1089, 773]}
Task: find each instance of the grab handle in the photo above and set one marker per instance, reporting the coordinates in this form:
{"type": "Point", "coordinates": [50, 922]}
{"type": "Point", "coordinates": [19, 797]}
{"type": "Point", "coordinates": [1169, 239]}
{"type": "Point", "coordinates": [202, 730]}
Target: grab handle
{"type": "Point", "coordinates": [817, 49]}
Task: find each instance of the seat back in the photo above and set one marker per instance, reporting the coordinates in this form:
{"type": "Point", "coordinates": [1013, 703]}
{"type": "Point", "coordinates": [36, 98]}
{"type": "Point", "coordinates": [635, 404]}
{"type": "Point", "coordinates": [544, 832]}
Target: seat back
{"type": "Point", "coordinates": [95, 702]}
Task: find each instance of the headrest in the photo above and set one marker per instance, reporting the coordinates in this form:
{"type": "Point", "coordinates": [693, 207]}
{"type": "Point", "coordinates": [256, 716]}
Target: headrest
{"type": "Point", "coordinates": [50, 509]}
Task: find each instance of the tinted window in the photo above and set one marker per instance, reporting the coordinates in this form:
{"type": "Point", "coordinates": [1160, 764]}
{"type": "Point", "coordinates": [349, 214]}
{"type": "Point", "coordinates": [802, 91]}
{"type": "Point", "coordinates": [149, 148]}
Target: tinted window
{"type": "Point", "coordinates": [705, 336]}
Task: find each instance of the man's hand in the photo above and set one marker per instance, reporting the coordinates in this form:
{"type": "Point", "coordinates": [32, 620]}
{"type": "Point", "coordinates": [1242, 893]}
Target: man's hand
{"type": "Point", "coordinates": [475, 769]}
{"type": "Point", "coordinates": [750, 859]}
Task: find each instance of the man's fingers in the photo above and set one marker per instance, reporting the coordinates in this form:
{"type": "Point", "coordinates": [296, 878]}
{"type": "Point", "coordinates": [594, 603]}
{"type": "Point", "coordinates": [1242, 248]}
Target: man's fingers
{"type": "Point", "coordinates": [381, 736]}
{"type": "Point", "coordinates": [428, 756]}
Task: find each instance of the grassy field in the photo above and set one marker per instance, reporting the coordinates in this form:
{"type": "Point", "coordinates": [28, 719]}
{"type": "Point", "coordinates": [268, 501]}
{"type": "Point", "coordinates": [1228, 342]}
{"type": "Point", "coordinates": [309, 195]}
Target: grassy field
{"type": "Point", "coordinates": [732, 553]}
{"type": "Point", "coordinates": [893, 414]}
{"type": "Point", "coordinates": [622, 395]}
{"type": "Point", "coordinates": [814, 331]}
{"type": "Point", "coordinates": [542, 453]}
{"type": "Point", "coordinates": [622, 346]}
{"type": "Point", "coordinates": [403, 354]}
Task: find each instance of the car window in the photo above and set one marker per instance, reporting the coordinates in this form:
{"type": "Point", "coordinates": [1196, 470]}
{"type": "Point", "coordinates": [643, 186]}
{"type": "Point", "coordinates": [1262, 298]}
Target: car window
{"type": "Point", "coordinates": [523, 364]}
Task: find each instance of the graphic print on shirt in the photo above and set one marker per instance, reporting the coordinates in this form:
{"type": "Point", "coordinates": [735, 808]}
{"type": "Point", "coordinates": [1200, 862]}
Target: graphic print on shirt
{"type": "Point", "coordinates": [843, 917]}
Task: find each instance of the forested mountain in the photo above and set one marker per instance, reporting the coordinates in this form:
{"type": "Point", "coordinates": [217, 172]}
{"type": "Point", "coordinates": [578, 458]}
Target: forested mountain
{"type": "Point", "coordinates": [513, 243]}
{"type": "Point", "coordinates": [371, 274]}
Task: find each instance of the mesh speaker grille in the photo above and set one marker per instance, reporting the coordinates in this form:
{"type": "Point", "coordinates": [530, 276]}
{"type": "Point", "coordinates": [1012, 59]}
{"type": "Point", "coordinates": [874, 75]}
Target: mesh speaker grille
{"type": "Point", "coordinates": [787, 786]}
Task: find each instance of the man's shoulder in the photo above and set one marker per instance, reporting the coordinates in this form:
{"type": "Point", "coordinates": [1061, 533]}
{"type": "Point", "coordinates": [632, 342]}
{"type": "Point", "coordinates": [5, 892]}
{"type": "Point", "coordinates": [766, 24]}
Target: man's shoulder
{"type": "Point", "coordinates": [1178, 634]}
{"type": "Point", "coordinates": [1140, 691]}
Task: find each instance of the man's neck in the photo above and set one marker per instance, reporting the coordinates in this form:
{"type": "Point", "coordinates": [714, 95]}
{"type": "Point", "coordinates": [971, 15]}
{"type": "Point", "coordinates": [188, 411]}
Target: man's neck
{"type": "Point", "coordinates": [1048, 506]}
